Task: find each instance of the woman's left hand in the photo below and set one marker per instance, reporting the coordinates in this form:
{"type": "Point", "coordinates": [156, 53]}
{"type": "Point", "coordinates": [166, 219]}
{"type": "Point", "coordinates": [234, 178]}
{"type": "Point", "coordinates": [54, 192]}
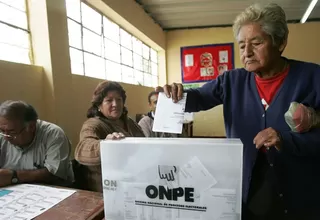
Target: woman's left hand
{"type": "Point", "coordinates": [268, 138]}
{"type": "Point", "coordinates": [115, 136]}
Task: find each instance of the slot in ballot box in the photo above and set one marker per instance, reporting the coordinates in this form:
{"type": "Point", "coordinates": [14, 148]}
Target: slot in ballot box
{"type": "Point", "coordinates": [172, 179]}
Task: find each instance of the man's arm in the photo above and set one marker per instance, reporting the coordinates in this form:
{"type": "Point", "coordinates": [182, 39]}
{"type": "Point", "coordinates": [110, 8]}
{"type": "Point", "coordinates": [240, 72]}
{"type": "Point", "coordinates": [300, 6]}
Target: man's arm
{"type": "Point", "coordinates": [26, 176]}
{"type": "Point", "coordinates": [31, 176]}
{"type": "Point", "coordinates": [2, 152]}
{"type": "Point", "coordinates": [206, 97]}
{"type": "Point", "coordinates": [57, 160]}
{"type": "Point", "coordinates": [145, 126]}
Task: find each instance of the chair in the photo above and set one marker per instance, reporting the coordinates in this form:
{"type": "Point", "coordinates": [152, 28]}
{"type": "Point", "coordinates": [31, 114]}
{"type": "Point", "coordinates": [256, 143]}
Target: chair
{"type": "Point", "coordinates": [139, 117]}
{"type": "Point", "coordinates": [78, 170]}
{"type": "Point", "coordinates": [188, 129]}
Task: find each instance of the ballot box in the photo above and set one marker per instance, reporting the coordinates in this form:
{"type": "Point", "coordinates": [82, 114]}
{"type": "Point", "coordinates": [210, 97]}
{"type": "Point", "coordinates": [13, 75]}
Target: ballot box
{"type": "Point", "coordinates": [172, 179]}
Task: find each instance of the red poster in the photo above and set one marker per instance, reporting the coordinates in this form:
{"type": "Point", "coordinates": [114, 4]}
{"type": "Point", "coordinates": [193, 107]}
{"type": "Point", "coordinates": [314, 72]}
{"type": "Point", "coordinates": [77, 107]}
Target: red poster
{"type": "Point", "coordinates": [206, 62]}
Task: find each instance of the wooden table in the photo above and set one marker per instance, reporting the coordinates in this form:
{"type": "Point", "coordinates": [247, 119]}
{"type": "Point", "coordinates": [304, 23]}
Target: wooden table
{"type": "Point", "coordinates": [82, 205]}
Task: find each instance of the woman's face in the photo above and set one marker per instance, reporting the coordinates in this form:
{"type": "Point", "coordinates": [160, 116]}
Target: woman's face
{"type": "Point", "coordinates": [112, 105]}
{"type": "Point", "coordinates": [257, 52]}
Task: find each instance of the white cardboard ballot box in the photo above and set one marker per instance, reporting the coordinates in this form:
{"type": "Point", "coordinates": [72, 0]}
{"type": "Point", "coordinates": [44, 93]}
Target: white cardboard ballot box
{"type": "Point", "coordinates": [172, 179]}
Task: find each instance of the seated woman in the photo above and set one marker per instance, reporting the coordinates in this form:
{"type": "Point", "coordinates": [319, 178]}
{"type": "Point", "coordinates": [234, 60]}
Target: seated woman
{"type": "Point", "coordinates": [107, 119]}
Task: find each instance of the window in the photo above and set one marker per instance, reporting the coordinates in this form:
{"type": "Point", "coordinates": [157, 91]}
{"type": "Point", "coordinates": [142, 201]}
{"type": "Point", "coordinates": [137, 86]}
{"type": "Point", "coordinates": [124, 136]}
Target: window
{"type": "Point", "coordinates": [100, 48]}
{"type": "Point", "coordinates": [14, 37]}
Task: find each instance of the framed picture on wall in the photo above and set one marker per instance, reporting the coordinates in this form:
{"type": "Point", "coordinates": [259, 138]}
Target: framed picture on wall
{"type": "Point", "coordinates": [206, 62]}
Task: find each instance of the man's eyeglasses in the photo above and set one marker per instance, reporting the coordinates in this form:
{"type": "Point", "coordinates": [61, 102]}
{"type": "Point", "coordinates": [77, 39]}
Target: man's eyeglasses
{"type": "Point", "coordinates": [12, 135]}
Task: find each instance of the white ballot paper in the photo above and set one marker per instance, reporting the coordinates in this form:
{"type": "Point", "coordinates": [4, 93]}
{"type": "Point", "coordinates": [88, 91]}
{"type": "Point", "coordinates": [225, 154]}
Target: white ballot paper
{"type": "Point", "coordinates": [27, 201]}
{"type": "Point", "coordinates": [169, 116]}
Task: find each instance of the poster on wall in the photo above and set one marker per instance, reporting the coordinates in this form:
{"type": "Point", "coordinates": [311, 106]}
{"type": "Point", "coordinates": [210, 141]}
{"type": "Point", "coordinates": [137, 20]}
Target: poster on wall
{"type": "Point", "coordinates": [205, 62]}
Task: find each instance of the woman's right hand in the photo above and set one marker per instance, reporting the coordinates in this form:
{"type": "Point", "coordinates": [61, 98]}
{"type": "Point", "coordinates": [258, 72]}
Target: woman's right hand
{"type": "Point", "coordinates": [174, 91]}
{"type": "Point", "coordinates": [115, 136]}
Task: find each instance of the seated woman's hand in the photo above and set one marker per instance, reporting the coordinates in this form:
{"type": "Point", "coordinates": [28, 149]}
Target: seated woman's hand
{"type": "Point", "coordinates": [115, 136]}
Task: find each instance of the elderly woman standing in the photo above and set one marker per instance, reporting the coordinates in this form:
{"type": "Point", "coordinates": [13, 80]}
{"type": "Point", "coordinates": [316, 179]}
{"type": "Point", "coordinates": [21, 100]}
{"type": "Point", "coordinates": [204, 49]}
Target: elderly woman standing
{"type": "Point", "coordinates": [281, 177]}
{"type": "Point", "coordinates": [107, 119]}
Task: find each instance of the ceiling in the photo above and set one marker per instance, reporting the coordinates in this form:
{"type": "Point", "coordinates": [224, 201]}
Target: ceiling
{"type": "Point", "coordinates": [180, 14]}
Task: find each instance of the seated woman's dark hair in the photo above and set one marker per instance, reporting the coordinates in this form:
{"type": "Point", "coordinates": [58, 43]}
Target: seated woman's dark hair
{"type": "Point", "coordinates": [100, 93]}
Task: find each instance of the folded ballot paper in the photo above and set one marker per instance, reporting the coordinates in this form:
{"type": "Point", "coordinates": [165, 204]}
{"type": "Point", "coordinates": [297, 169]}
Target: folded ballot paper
{"type": "Point", "coordinates": [172, 179]}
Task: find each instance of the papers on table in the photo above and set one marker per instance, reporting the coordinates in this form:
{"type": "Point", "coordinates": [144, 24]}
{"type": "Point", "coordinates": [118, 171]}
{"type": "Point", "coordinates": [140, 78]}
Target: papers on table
{"type": "Point", "coordinates": [4, 192]}
{"type": "Point", "coordinates": [27, 201]}
{"type": "Point", "coordinates": [169, 116]}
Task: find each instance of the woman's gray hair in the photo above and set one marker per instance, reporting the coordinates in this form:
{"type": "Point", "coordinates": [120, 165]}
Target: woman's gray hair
{"type": "Point", "coordinates": [271, 17]}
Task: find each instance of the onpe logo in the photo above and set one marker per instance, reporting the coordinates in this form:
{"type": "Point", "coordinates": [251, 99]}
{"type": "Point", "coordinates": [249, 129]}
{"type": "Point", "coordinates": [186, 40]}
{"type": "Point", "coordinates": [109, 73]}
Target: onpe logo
{"type": "Point", "coordinates": [110, 184]}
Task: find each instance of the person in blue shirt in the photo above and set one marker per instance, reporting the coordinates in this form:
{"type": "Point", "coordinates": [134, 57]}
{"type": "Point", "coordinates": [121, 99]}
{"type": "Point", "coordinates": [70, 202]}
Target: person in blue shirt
{"type": "Point", "coordinates": [281, 178]}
